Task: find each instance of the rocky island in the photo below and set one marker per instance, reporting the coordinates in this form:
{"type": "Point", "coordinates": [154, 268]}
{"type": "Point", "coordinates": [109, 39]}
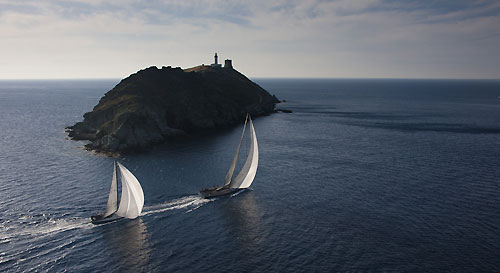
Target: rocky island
{"type": "Point", "coordinates": [152, 105]}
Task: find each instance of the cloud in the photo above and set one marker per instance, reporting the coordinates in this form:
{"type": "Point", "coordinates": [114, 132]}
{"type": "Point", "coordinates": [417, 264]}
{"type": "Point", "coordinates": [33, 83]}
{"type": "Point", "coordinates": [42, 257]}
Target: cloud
{"type": "Point", "coordinates": [313, 38]}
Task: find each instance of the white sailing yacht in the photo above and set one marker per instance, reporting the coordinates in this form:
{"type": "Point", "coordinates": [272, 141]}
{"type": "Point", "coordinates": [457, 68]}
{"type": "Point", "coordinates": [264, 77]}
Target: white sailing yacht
{"type": "Point", "coordinates": [131, 202]}
{"type": "Point", "coordinates": [247, 173]}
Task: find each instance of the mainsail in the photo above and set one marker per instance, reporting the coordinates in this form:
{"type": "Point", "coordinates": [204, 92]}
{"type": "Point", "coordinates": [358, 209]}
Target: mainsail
{"type": "Point", "coordinates": [245, 178]}
{"type": "Point", "coordinates": [132, 199]}
{"type": "Point", "coordinates": [113, 196]}
{"type": "Point", "coordinates": [230, 172]}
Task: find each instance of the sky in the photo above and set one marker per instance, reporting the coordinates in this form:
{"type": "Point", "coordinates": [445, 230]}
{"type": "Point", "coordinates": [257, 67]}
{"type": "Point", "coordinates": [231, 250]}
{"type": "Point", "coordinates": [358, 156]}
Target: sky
{"type": "Point", "coordinates": [55, 39]}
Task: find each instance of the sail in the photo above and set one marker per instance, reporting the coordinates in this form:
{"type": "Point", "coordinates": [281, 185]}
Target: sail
{"type": "Point", "coordinates": [132, 199]}
{"type": "Point", "coordinates": [230, 172]}
{"type": "Point", "coordinates": [245, 178]}
{"type": "Point", "coordinates": [113, 195]}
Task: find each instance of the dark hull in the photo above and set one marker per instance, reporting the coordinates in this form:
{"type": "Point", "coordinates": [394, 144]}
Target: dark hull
{"type": "Point", "coordinates": [217, 191]}
{"type": "Point", "coordinates": [98, 219]}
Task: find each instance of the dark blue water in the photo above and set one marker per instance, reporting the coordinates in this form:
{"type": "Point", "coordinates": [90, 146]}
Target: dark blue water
{"type": "Point", "coordinates": [363, 176]}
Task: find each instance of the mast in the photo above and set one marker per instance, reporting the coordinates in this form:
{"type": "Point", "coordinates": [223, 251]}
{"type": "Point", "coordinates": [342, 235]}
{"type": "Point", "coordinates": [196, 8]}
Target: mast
{"type": "Point", "coordinates": [112, 205]}
{"type": "Point", "coordinates": [230, 172]}
{"type": "Point", "coordinates": [247, 174]}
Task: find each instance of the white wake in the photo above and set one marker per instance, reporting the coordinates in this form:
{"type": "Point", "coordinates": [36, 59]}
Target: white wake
{"type": "Point", "coordinates": [42, 225]}
{"type": "Point", "coordinates": [37, 227]}
{"type": "Point", "coordinates": [191, 203]}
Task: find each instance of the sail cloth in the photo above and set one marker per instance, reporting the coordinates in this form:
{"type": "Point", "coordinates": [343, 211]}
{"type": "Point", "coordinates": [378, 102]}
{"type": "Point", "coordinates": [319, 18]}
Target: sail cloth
{"type": "Point", "coordinates": [132, 199]}
{"type": "Point", "coordinates": [113, 195]}
{"type": "Point", "coordinates": [247, 174]}
{"type": "Point", "coordinates": [230, 172]}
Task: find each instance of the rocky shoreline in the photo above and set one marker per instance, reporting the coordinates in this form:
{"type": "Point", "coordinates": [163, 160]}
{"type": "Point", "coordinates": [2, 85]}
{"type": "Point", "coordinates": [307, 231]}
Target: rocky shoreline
{"type": "Point", "coordinates": [153, 105]}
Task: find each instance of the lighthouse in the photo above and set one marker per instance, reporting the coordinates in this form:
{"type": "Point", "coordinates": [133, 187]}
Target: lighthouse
{"type": "Point", "coordinates": [216, 61]}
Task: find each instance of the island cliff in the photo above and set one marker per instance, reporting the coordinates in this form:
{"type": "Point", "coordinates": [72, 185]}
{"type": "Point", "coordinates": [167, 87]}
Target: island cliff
{"type": "Point", "coordinates": [152, 105]}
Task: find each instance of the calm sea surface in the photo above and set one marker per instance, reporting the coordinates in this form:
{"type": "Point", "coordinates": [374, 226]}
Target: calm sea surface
{"type": "Point", "coordinates": [363, 176]}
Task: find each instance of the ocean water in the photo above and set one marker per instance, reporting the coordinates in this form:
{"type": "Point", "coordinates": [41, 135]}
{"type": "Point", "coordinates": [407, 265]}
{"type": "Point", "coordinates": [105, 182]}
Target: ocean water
{"type": "Point", "coordinates": [363, 176]}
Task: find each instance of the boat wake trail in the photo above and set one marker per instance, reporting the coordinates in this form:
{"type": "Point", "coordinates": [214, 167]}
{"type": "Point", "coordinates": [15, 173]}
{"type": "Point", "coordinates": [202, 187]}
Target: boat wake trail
{"type": "Point", "coordinates": [39, 226]}
{"type": "Point", "coordinates": [190, 203]}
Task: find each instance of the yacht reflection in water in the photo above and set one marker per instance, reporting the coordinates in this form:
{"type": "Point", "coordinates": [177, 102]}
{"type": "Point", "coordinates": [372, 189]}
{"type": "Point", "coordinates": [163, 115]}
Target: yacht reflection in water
{"type": "Point", "coordinates": [244, 219]}
{"type": "Point", "coordinates": [129, 242]}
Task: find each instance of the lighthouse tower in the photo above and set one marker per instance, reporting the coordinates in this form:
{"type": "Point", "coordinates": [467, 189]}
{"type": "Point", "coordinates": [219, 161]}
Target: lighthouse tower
{"type": "Point", "coordinates": [216, 59]}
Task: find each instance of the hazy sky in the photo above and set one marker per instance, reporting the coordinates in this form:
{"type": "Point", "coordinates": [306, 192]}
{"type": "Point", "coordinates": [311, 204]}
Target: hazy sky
{"type": "Point", "coordinates": [269, 38]}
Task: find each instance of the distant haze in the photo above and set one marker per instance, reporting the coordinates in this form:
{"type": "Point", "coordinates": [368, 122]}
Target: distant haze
{"type": "Point", "coordinates": [272, 38]}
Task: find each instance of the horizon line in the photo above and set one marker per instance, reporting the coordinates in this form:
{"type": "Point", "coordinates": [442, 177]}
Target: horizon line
{"type": "Point", "coordinates": [281, 78]}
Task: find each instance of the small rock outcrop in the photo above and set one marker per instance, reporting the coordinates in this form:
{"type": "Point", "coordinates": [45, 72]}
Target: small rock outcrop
{"type": "Point", "coordinates": [152, 105]}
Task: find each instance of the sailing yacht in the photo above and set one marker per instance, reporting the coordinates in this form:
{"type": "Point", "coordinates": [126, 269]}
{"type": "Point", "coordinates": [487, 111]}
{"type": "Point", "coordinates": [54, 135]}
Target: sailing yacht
{"type": "Point", "coordinates": [131, 202]}
{"type": "Point", "coordinates": [247, 173]}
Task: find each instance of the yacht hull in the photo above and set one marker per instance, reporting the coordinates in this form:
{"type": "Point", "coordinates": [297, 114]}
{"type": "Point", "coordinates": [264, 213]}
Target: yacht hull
{"type": "Point", "coordinates": [99, 219]}
{"type": "Point", "coordinates": [217, 191]}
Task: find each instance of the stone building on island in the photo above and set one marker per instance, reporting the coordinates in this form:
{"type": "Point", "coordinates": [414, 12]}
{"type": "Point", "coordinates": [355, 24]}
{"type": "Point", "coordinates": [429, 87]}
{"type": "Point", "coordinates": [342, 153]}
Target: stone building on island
{"type": "Point", "coordinates": [227, 63]}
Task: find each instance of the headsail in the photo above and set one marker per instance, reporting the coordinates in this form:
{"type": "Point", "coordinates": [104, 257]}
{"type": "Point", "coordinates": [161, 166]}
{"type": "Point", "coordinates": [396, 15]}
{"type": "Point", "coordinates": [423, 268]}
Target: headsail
{"type": "Point", "coordinates": [113, 195]}
{"type": "Point", "coordinates": [249, 170]}
{"type": "Point", "coordinates": [132, 199]}
{"type": "Point", "coordinates": [230, 172]}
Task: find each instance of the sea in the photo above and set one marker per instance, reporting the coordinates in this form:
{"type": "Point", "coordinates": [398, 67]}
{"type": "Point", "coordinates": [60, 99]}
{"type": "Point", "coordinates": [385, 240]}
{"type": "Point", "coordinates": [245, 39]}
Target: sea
{"type": "Point", "coordinates": [365, 175]}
